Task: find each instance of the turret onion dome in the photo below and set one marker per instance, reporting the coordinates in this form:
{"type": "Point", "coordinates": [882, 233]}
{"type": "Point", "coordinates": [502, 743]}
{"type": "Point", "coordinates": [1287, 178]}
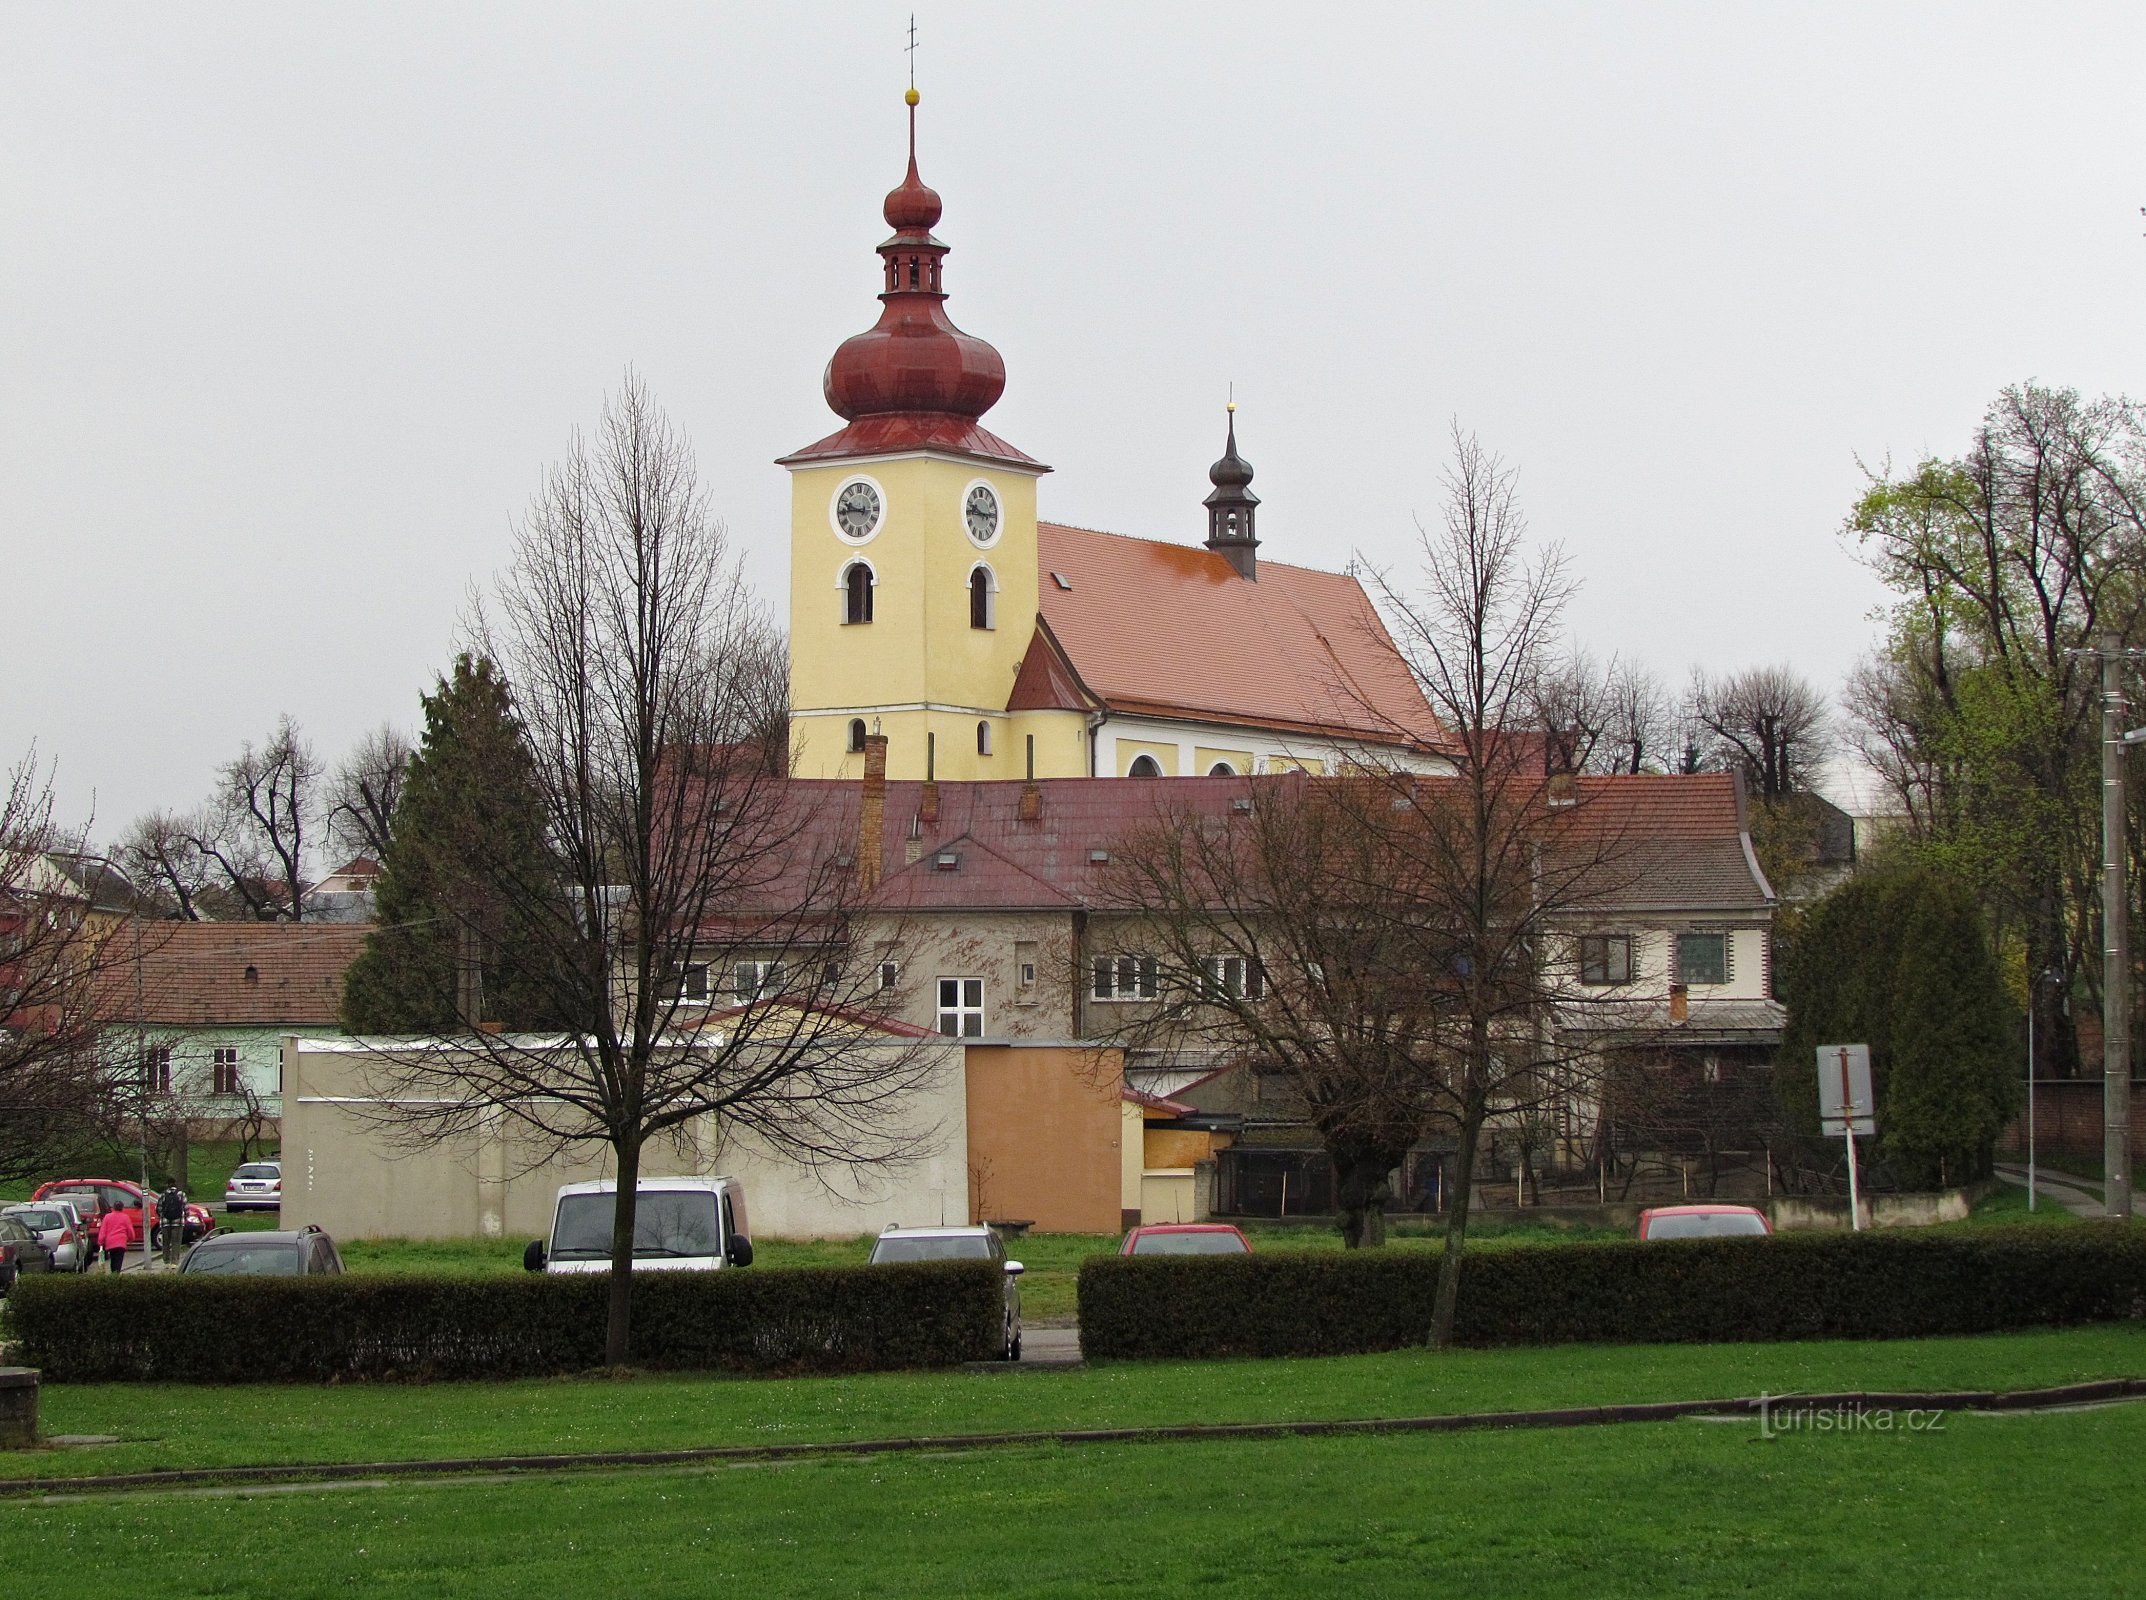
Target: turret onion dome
{"type": "Point", "coordinates": [915, 359]}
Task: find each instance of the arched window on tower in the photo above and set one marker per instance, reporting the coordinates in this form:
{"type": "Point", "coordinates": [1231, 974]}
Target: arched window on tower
{"type": "Point", "coordinates": [856, 735]}
{"type": "Point", "coordinates": [983, 598]}
{"type": "Point", "coordinates": [857, 589]}
{"type": "Point", "coordinates": [1144, 767]}
{"type": "Point", "coordinates": [983, 738]}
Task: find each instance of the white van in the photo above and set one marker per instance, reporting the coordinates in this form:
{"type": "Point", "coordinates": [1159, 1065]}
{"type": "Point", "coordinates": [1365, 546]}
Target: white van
{"type": "Point", "coordinates": [679, 1224]}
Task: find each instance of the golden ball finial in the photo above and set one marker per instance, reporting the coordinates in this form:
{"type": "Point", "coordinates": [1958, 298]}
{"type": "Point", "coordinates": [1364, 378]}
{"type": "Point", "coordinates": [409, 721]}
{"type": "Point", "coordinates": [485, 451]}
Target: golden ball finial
{"type": "Point", "coordinates": [1232, 406]}
{"type": "Point", "coordinates": [912, 97]}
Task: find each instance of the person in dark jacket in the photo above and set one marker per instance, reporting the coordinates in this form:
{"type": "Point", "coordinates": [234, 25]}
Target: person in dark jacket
{"type": "Point", "coordinates": [171, 1220]}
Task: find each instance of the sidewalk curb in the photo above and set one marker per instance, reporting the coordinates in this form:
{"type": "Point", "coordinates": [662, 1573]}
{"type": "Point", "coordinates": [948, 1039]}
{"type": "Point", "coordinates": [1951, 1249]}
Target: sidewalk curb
{"type": "Point", "coordinates": [2072, 1394]}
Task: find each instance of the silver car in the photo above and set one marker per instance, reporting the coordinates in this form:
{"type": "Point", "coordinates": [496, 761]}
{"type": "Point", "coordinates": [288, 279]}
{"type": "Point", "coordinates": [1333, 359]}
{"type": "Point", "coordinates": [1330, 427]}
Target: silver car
{"type": "Point", "coordinates": [256, 1186]}
{"type": "Point", "coordinates": [60, 1228]}
{"type": "Point", "coordinates": [957, 1244]}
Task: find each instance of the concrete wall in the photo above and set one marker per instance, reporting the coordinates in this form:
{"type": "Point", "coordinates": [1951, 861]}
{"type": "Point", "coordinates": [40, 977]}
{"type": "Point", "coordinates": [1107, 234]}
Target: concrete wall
{"type": "Point", "coordinates": [1795, 1213]}
{"type": "Point", "coordinates": [1169, 1194]}
{"type": "Point", "coordinates": [1046, 1134]}
{"type": "Point", "coordinates": [357, 1178]}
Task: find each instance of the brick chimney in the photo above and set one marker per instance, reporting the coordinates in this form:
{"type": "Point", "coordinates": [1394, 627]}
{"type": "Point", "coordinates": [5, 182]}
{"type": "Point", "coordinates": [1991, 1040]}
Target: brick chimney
{"type": "Point", "coordinates": [871, 814]}
{"type": "Point", "coordinates": [1031, 802]}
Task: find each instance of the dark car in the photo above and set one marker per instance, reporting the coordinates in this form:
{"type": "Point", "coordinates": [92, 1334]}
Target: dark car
{"type": "Point", "coordinates": [21, 1250]}
{"type": "Point", "coordinates": [1185, 1239]}
{"type": "Point", "coordinates": [298, 1253]}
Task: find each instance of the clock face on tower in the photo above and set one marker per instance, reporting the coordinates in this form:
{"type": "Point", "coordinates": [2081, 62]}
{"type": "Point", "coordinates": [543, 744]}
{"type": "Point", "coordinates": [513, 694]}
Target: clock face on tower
{"type": "Point", "coordinates": [857, 509]}
{"type": "Point", "coordinates": [980, 511]}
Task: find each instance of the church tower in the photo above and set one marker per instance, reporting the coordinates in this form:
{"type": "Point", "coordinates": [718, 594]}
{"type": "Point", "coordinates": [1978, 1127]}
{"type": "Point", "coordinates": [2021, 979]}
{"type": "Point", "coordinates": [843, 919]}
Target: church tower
{"type": "Point", "coordinates": [1230, 508]}
{"type": "Point", "coordinates": [913, 565]}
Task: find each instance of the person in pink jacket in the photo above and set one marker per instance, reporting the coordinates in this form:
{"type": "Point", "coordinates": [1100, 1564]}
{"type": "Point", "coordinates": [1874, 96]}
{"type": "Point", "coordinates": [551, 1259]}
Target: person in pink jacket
{"type": "Point", "coordinates": [114, 1234]}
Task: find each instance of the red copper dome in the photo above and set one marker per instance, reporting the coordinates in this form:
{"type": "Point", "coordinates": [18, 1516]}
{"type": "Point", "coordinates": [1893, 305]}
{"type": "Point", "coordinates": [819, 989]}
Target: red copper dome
{"type": "Point", "coordinates": [915, 360]}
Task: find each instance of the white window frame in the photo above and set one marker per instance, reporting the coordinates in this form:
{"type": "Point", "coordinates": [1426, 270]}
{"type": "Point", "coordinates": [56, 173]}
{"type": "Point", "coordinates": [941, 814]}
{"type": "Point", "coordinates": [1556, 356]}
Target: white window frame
{"type": "Point", "coordinates": [224, 1056]}
{"type": "Point", "coordinates": [1124, 978]}
{"type": "Point", "coordinates": [755, 980]}
{"type": "Point", "coordinates": [1234, 977]}
{"type": "Point", "coordinates": [890, 976]}
{"type": "Point", "coordinates": [155, 1069]}
{"type": "Point", "coordinates": [961, 1007]}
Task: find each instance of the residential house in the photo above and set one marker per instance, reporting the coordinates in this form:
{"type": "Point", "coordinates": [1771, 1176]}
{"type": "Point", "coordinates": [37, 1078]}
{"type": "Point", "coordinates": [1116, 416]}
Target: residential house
{"type": "Point", "coordinates": [201, 1008]}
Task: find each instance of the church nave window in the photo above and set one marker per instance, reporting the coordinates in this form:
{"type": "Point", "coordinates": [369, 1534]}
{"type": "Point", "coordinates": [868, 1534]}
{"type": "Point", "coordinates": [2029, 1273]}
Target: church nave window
{"type": "Point", "coordinates": [857, 587]}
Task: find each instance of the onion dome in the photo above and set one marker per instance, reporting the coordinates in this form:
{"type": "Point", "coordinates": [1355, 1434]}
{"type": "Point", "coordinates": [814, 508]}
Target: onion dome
{"type": "Point", "coordinates": [1232, 507]}
{"type": "Point", "coordinates": [914, 360]}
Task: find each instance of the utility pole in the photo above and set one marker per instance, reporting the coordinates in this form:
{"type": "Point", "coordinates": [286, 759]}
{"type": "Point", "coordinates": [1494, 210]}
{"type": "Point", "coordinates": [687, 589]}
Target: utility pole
{"type": "Point", "coordinates": [2115, 942]}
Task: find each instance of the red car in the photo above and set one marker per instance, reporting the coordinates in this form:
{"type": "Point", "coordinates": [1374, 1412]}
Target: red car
{"type": "Point", "coordinates": [117, 1194]}
{"type": "Point", "coordinates": [1186, 1239]}
{"type": "Point", "coordinates": [1704, 1222]}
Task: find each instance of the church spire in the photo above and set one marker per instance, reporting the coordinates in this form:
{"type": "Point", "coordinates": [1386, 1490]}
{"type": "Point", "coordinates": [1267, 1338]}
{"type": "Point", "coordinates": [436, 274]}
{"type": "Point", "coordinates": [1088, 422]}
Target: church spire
{"type": "Point", "coordinates": [1232, 507]}
{"type": "Point", "coordinates": [915, 361]}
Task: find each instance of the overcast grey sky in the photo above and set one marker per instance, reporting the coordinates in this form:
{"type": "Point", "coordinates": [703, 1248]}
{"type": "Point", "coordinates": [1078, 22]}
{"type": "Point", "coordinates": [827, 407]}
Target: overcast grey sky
{"type": "Point", "coordinates": [297, 302]}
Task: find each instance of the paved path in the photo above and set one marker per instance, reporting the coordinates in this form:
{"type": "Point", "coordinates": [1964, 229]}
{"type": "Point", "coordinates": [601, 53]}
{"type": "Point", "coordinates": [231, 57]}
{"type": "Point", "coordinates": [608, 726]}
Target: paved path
{"type": "Point", "coordinates": [2080, 1196]}
{"type": "Point", "coordinates": [1050, 1347]}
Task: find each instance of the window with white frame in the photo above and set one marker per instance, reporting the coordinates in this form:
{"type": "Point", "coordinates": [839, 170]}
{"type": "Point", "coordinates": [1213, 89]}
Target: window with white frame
{"type": "Point", "coordinates": [755, 980]}
{"type": "Point", "coordinates": [1235, 978]}
{"type": "Point", "coordinates": [223, 1070]}
{"type": "Point", "coordinates": [687, 984]}
{"type": "Point", "coordinates": [890, 975]}
{"type": "Point", "coordinates": [1605, 959]}
{"type": "Point", "coordinates": [1122, 977]}
{"type": "Point", "coordinates": [961, 1008]}
{"type": "Point", "coordinates": [156, 1069]}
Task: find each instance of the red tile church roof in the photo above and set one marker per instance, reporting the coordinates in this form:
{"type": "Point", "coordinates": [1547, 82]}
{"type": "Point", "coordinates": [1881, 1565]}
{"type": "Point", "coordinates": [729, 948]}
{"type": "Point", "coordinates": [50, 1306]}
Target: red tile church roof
{"type": "Point", "coordinates": [1171, 630]}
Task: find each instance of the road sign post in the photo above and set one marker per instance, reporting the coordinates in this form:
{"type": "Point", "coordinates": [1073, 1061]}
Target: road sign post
{"type": "Point", "coordinates": [1846, 1107]}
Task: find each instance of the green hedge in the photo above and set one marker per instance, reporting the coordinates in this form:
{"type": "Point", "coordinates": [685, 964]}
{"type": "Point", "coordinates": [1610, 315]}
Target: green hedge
{"type": "Point", "coordinates": [189, 1329]}
{"type": "Point", "coordinates": [1795, 1286]}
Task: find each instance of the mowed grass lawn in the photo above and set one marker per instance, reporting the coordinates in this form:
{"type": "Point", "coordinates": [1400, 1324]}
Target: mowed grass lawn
{"type": "Point", "coordinates": [2017, 1506]}
{"type": "Point", "coordinates": [179, 1425]}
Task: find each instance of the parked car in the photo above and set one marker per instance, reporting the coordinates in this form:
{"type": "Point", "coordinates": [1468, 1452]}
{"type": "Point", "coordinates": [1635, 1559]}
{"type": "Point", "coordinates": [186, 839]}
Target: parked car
{"type": "Point", "coordinates": [958, 1244]}
{"type": "Point", "coordinates": [256, 1186]}
{"type": "Point", "coordinates": [1185, 1239]}
{"type": "Point", "coordinates": [1703, 1222]}
{"type": "Point", "coordinates": [296, 1253]}
{"type": "Point", "coordinates": [678, 1224]}
{"type": "Point", "coordinates": [60, 1229]}
{"type": "Point", "coordinates": [20, 1251]}
{"type": "Point", "coordinates": [119, 1194]}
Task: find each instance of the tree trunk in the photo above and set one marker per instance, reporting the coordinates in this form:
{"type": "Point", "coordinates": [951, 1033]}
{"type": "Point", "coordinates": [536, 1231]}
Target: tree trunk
{"type": "Point", "coordinates": [619, 1327]}
{"type": "Point", "coordinates": [1362, 1182]}
{"type": "Point", "coordinates": [1471, 1128]}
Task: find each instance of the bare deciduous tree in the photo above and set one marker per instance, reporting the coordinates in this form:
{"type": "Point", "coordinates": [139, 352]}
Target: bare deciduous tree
{"type": "Point", "coordinates": [362, 795]}
{"type": "Point", "coordinates": [681, 854]}
{"type": "Point", "coordinates": [1770, 723]}
{"type": "Point", "coordinates": [158, 853]}
{"type": "Point", "coordinates": [1641, 731]}
{"type": "Point", "coordinates": [52, 952]}
{"type": "Point", "coordinates": [257, 825]}
{"type": "Point", "coordinates": [1505, 855]}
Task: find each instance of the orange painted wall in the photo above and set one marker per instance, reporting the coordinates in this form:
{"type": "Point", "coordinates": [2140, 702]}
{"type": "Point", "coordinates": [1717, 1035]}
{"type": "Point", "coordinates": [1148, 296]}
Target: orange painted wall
{"type": "Point", "coordinates": [1043, 1136]}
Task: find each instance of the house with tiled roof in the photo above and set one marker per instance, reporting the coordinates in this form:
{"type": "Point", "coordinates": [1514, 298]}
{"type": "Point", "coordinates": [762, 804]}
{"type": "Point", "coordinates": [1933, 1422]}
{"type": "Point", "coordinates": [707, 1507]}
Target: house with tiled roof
{"type": "Point", "coordinates": [929, 604]}
{"type": "Point", "coordinates": [995, 919]}
{"type": "Point", "coordinates": [200, 1008]}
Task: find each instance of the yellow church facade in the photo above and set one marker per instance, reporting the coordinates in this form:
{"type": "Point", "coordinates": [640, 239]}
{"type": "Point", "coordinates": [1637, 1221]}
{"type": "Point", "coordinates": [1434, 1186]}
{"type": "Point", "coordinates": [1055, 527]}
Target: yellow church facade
{"type": "Point", "coordinates": [930, 604]}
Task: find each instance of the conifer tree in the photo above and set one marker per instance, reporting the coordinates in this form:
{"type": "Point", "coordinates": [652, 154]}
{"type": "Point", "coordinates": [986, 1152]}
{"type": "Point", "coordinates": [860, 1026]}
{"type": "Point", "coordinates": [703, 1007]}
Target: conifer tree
{"type": "Point", "coordinates": [1953, 1084]}
{"type": "Point", "coordinates": [1899, 959]}
{"type": "Point", "coordinates": [467, 841]}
